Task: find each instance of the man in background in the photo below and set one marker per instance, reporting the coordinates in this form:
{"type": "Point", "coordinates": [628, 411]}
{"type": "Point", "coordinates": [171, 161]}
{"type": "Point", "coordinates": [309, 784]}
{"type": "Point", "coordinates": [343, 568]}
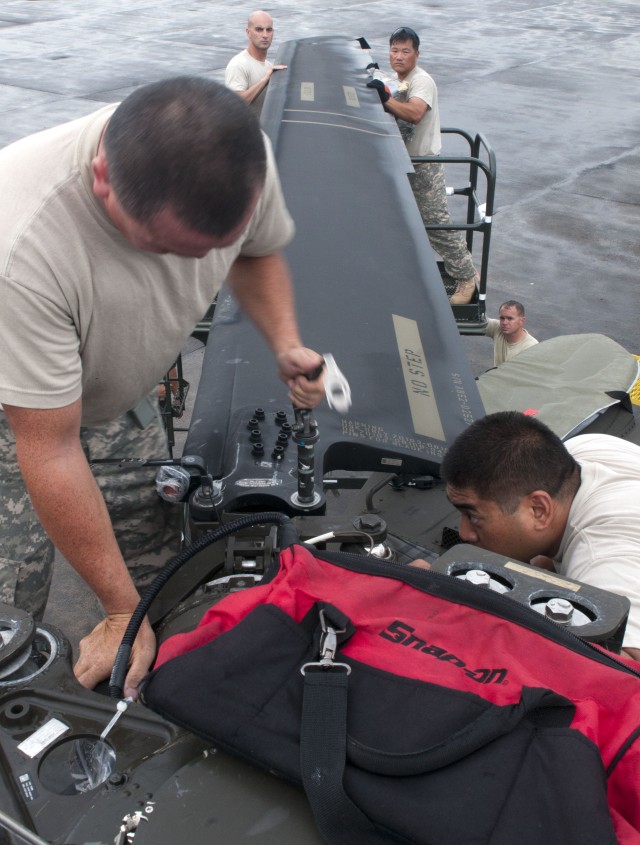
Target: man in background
{"type": "Point", "coordinates": [415, 108]}
{"type": "Point", "coordinates": [248, 73]}
{"type": "Point", "coordinates": [510, 337]}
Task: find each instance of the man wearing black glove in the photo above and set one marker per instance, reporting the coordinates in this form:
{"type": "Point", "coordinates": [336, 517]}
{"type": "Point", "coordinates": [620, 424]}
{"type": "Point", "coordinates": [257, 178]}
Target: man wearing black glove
{"type": "Point", "coordinates": [381, 88]}
{"type": "Point", "coordinates": [415, 108]}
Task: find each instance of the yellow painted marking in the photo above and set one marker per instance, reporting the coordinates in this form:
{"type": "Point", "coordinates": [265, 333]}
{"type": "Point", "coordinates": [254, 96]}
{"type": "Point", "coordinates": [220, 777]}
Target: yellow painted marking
{"type": "Point", "coordinates": [635, 390]}
{"type": "Point", "coordinates": [543, 575]}
{"type": "Point", "coordinates": [417, 380]}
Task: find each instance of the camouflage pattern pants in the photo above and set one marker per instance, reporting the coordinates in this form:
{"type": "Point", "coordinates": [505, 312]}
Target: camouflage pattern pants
{"type": "Point", "coordinates": [429, 189]}
{"type": "Point", "coordinates": [146, 528]}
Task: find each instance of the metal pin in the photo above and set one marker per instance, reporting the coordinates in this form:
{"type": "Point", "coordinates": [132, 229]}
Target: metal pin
{"type": "Point", "coordinates": [120, 708]}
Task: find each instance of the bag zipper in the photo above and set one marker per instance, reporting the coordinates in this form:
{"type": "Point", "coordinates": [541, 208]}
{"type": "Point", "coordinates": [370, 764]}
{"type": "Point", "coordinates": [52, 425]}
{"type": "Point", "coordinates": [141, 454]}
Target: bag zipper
{"type": "Point", "coordinates": [517, 612]}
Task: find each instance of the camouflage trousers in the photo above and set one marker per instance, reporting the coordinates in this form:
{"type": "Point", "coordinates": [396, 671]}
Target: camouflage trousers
{"type": "Point", "coordinates": [146, 528]}
{"type": "Point", "coordinates": [429, 189]}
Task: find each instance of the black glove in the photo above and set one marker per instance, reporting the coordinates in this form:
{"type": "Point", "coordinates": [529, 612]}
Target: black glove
{"type": "Point", "coordinates": [380, 87]}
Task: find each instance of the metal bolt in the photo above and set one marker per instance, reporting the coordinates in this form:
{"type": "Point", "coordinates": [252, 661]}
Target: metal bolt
{"type": "Point", "coordinates": [560, 610]}
{"type": "Point", "coordinates": [478, 577]}
{"type": "Point", "coordinates": [382, 551]}
{"type": "Point", "coordinates": [369, 522]}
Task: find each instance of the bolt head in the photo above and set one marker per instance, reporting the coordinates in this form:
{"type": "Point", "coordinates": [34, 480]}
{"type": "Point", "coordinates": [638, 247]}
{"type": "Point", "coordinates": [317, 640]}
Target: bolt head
{"type": "Point", "coordinates": [478, 577]}
{"type": "Point", "coordinates": [560, 610]}
{"type": "Point", "coordinates": [369, 522]}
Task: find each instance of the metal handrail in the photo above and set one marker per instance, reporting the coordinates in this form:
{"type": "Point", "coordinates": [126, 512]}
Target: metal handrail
{"type": "Point", "coordinates": [479, 214]}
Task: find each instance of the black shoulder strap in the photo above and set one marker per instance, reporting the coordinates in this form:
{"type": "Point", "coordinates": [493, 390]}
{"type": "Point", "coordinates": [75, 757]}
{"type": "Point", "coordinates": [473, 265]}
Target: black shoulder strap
{"type": "Point", "coordinates": [324, 741]}
{"type": "Point", "coordinates": [323, 748]}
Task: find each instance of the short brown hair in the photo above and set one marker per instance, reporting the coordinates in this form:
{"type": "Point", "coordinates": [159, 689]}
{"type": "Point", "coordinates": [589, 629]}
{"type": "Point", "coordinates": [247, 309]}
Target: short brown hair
{"type": "Point", "coordinates": [188, 144]}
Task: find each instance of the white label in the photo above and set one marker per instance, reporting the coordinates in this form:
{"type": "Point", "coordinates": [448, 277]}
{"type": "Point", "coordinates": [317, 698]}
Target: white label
{"type": "Point", "coordinates": [28, 787]}
{"type": "Point", "coordinates": [259, 482]}
{"type": "Point", "coordinates": [43, 737]}
{"type": "Point", "coordinates": [307, 92]}
{"type": "Point", "coordinates": [351, 96]}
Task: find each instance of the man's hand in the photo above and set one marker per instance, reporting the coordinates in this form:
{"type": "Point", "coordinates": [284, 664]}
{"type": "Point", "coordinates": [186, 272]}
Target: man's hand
{"type": "Point", "coordinates": [419, 563]}
{"type": "Point", "coordinates": [543, 562]}
{"type": "Point", "coordinates": [381, 88]}
{"type": "Point", "coordinates": [98, 652]}
{"type": "Point", "coordinates": [271, 69]}
{"type": "Point", "coordinates": [631, 653]}
{"type": "Point", "coordinates": [294, 365]}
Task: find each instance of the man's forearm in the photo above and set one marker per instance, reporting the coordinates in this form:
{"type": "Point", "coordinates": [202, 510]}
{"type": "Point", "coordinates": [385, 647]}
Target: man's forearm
{"type": "Point", "coordinates": [250, 93]}
{"type": "Point", "coordinates": [72, 511]}
{"type": "Point", "coordinates": [262, 287]}
{"type": "Point", "coordinates": [412, 111]}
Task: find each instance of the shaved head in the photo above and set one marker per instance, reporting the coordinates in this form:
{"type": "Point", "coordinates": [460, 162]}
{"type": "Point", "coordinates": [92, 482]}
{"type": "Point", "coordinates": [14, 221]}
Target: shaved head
{"type": "Point", "coordinates": [259, 17]}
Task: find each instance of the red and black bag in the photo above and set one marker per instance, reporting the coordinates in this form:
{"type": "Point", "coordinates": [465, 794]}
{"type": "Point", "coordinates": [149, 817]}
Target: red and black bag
{"type": "Point", "coordinates": [412, 706]}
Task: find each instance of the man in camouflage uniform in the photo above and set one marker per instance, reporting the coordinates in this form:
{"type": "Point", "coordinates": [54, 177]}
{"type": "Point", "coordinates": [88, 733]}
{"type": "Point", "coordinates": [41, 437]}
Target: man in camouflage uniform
{"type": "Point", "coordinates": [146, 528]}
{"type": "Point", "coordinates": [415, 108]}
{"type": "Point", "coordinates": [116, 232]}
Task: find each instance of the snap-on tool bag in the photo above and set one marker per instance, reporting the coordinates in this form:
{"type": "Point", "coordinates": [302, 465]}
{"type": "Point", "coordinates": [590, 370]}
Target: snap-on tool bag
{"type": "Point", "coordinates": [412, 706]}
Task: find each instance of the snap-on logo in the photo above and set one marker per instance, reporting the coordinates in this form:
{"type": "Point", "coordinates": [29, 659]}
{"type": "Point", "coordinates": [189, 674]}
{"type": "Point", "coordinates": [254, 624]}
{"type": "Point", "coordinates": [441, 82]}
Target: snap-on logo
{"type": "Point", "coordinates": [404, 635]}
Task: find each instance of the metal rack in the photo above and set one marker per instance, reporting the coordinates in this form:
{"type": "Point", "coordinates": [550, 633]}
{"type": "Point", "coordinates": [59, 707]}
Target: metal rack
{"type": "Point", "coordinates": [471, 318]}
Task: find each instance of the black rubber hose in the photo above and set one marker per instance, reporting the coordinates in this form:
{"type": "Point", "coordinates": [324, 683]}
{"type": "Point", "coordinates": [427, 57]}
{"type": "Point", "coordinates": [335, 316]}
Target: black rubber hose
{"type": "Point", "coordinates": [118, 673]}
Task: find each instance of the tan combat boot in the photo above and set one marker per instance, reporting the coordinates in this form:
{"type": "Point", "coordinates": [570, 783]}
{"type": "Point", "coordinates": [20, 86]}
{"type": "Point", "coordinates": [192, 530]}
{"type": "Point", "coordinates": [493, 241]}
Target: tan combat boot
{"type": "Point", "coordinates": [464, 292]}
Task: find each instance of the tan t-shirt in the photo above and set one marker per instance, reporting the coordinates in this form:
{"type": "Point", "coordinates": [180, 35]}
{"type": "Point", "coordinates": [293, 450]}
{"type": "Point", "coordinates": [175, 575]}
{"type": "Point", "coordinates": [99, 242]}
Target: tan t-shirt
{"type": "Point", "coordinates": [84, 312]}
{"type": "Point", "coordinates": [423, 138]}
{"type": "Point", "coordinates": [242, 72]}
{"type": "Point", "coordinates": [601, 540]}
{"type": "Point", "coordinates": [503, 351]}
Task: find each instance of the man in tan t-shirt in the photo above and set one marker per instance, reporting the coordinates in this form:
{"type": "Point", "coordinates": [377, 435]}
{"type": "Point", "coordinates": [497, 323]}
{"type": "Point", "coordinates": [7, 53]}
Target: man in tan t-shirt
{"type": "Point", "coordinates": [509, 334]}
{"type": "Point", "coordinates": [248, 73]}
{"type": "Point", "coordinates": [571, 507]}
{"type": "Point", "coordinates": [116, 232]}
{"type": "Point", "coordinates": [415, 108]}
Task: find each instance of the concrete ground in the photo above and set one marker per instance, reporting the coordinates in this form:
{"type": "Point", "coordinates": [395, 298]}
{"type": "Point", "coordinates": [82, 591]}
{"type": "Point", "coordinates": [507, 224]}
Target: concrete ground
{"type": "Point", "coordinates": [552, 85]}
